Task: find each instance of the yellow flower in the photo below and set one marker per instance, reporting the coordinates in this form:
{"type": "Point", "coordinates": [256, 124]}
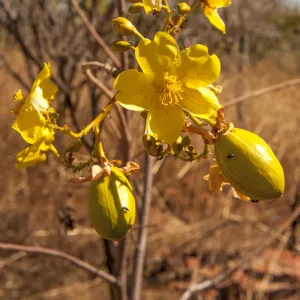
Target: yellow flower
{"type": "Point", "coordinates": [209, 8]}
{"type": "Point", "coordinates": [152, 5]}
{"type": "Point", "coordinates": [170, 82]}
{"type": "Point", "coordinates": [36, 153]}
{"type": "Point", "coordinates": [30, 110]}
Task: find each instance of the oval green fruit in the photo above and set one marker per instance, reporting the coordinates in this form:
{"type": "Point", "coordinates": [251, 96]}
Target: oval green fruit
{"type": "Point", "coordinates": [249, 165]}
{"type": "Point", "coordinates": [112, 205]}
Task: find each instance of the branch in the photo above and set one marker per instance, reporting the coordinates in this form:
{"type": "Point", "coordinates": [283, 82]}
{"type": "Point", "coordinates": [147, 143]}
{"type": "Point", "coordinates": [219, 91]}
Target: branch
{"type": "Point", "coordinates": [14, 73]}
{"type": "Point", "coordinates": [86, 69]}
{"type": "Point", "coordinates": [263, 91]}
{"type": "Point", "coordinates": [95, 35]}
{"type": "Point", "coordinates": [139, 257]}
{"type": "Point", "coordinates": [78, 262]}
{"type": "Point", "coordinates": [196, 288]}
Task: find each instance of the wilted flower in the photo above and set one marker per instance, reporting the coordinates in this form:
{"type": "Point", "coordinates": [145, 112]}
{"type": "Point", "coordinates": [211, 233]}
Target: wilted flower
{"type": "Point", "coordinates": [37, 152]}
{"type": "Point", "coordinates": [30, 111]}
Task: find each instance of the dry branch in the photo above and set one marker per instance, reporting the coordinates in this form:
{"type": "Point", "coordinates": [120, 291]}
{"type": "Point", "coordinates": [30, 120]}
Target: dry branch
{"type": "Point", "coordinates": [139, 257]}
{"type": "Point", "coordinates": [263, 91]}
{"type": "Point", "coordinates": [95, 35]}
{"type": "Point", "coordinates": [76, 261]}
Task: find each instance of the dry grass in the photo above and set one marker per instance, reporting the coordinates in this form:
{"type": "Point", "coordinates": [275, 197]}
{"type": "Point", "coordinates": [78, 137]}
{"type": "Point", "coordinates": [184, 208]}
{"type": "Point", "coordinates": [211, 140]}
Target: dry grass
{"type": "Point", "coordinates": [192, 234]}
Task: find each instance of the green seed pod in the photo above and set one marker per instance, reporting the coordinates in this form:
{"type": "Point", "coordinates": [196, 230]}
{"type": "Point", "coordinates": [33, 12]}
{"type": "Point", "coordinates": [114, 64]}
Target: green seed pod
{"type": "Point", "coordinates": [112, 205]}
{"type": "Point", "coordinates": [249, 165]}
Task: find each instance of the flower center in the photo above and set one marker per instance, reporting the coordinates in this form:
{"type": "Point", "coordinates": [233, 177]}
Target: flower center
{"type": "Point", "coordinates": [37, 100]}
{"type": "Point", "coordinates": [170, 94]}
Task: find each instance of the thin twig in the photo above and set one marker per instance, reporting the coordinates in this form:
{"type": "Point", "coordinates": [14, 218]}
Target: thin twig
{"type": "Point", "coordinates": [95, 35]}
{"type": "Point", "coordinates": [86, 70]}
{"type": "Point", "coordinates": [101, 66]}
{"type": "Point", "coordinates": [86, 67]}
{"type": "Point", "coordinates": [78, 262]}
{"type": "Point", "coordinates": [14, 73]}
{"type": "Point", "coordinates": [139, 257]}
{"type": "Point", "coordinates": [263, 91]}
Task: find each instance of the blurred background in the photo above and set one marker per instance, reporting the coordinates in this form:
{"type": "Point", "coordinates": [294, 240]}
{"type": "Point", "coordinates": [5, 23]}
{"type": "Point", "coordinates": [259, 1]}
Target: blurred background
{"type": "Point", "coordinates": [193, 235]}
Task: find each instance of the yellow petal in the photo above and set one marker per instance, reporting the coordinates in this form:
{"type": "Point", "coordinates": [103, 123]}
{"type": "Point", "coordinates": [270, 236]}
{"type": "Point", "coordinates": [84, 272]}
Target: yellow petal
{"type": "Point", "coordinates": [29, 123]}
{"type": "Point", "coordinates": [166, 123]}
{"type": "Point", "coordinates": [168, 52]}
{"type": "Point", "coordinates": [47, 138]}
{"type": "Point", "coordinates": [43, 81]}
{"type": "Point", "coordinates": [44, 74]}
{"type": "Point", "coordinates": [159, 56]}
{"type": "Point", "coordinates": [202, 102]}
{"type": "Point", "coordinates": [214, 179]}
{"type": "Point", "coordinates": [39, 103]}
{"type": "Point", "coordinates": [136, 90]}
{"type": "Point", "coordinates": [36, 153]}
{"type": "Point", "coordinates": [198, 66]}
{"type": "Point", "coordinates": [218, 3]}
{"type": "Point", "coordinates": [30, 156]}
{"type": "Point", "coordinates": [151, 5]}
{"type": "Point", "coordinates": [214, 18]}
{"type": "Point", "coordinates": [49, 89]}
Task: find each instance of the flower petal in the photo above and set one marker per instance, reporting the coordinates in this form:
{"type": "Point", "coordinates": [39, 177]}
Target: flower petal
{"type": "Point", "coordinates": [49, 89]}
{"type": "Point", "coordinates": [43, 81]}
{"type": "Point", "coordinates": [158, 56]}
{"type": "Point", "coordinates": [136, 90]}
{"type": "Point", "coordinates": [29, 123]}
{"type": "Point", "coordinates": [202, 102]}
{"type": "Point", "coordinates": [166, 123]}
{"type": "Point", "coordinates": [198, 66]}
{"type": "Point", "coordinates": [36, 153]}
{"type": "Point", "coordinates": [43, 75]}
{"type": "Point", "coordinates": [151, 5]}
{"type": "Point", "coordinates": [30, 156]}
{"type": "Point", "coordinates": [218, 3]}
{"type": "Point", "coordinates": [214, 18]}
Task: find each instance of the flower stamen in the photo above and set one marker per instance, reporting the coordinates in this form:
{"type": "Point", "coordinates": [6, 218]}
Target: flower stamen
{"type": "Point", "coordinates": [170, 94]}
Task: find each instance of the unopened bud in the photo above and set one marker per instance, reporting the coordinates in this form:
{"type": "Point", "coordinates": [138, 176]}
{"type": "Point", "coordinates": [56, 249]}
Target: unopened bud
{"type": "Point", "coordinates": [183, 8]}
{"type": "Point", "coordinates": [136, 8]}
{"type": "Point", "coordinates": [124, 26]}
{"type": "Point", "coordinates": [121, 46]}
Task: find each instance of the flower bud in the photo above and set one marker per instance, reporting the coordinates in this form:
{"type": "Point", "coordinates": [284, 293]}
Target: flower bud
{"type": "Point", "coordinates": [121, 46]}
{"type": "Point", "coordinates": [112, 205]}
{"type": "Point", "coordinates": [136, 8]}
{"type": "Point", "coordinates": [124, 26]}
{"type": "Point", "coordinates": [183, 8]}
{"type": "Point", "coordinates": [249, 165]}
